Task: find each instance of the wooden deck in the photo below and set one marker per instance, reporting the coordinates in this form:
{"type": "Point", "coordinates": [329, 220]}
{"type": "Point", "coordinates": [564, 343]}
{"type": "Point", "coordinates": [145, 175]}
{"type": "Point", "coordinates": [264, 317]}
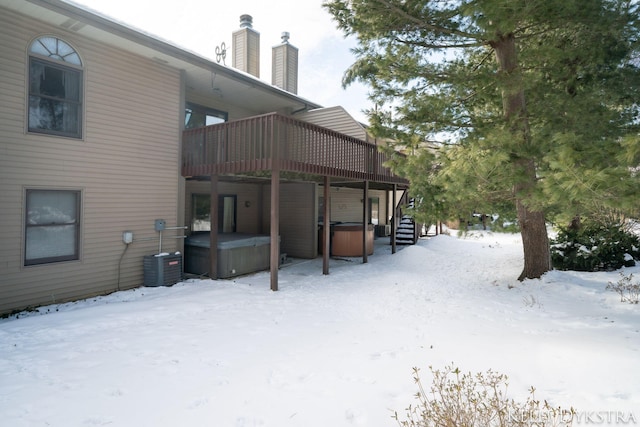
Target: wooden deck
{"type": "Point", "coordinates": [255, 144]}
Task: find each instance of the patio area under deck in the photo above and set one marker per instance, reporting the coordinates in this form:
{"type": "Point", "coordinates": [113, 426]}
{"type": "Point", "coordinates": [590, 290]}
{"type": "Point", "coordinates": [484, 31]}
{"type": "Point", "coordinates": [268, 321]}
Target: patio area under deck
{"type": "Point", "coordinates": [272, 146]}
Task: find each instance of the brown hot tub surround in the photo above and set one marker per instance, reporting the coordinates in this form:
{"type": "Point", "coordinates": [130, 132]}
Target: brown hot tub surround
{"type": "Point", "coordinates": [346, 239]}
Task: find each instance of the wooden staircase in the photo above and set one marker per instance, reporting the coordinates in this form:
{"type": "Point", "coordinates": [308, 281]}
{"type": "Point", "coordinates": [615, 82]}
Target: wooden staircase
{"type": "Point", "coordinates": [406, 231]}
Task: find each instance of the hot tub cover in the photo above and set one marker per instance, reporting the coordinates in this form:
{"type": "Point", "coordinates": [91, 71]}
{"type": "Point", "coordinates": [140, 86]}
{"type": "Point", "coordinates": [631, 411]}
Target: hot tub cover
{"type": "Point", "coordinates": [227, 240]}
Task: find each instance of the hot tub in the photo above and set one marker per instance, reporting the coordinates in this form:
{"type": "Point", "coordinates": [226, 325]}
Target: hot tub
{"type": "Point", "coordinates": [238, 254]}
{"type": "Point", "coordinates": [346, 239]}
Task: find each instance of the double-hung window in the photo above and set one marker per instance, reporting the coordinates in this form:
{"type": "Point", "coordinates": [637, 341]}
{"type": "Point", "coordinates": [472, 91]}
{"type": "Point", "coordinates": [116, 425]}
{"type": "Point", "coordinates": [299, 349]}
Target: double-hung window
{"type": "Point", "coordinates": [52, 226]}
{"type": "Point", "coordinates": [55, 88]}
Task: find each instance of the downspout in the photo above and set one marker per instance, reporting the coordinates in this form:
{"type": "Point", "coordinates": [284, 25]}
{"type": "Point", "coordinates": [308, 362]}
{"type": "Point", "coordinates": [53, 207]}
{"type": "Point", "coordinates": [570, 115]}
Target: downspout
{"type": "Point", "coordinates": [182, 182]}
{"type": "Point", "coordinates": [305, 108]}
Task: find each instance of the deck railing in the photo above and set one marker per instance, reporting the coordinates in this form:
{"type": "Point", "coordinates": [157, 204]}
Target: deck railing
{"type": "Point", "coordinates": [256, 143]}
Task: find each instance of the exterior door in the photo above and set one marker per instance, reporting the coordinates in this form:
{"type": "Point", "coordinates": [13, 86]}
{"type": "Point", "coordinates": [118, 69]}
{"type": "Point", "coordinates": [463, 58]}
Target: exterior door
{"type": "Point", "coordinates": [374, 210]}
{"type": "Point", "coordinates": [227, 213]}
{"type": "Point", "coordinates": [201, 220]}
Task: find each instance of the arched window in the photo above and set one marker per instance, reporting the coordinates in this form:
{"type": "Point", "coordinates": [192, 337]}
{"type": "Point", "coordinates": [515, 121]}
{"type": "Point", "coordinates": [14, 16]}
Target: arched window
{"type": "Point", "coordinates": [55, 88]}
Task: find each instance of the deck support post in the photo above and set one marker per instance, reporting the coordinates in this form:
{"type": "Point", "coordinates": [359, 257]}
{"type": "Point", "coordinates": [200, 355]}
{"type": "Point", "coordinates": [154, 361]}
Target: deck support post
{"type": "Point", "coordinates": [365, 221]}
{"type": "Point", "coordinates": [393, 219]}
{"type": "Point", "coordinates": [275, 228]}
{"type": "Point", "coordinates": [213, 234]}
{"type": "Point", "coordinates": [326, 226]}
{"type": "Point", "coordinates": [275, 215]}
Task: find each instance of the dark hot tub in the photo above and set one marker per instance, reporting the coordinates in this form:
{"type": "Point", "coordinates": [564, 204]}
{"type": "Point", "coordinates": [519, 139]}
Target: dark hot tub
{"type": "Point", "coordinates": [238, 254]}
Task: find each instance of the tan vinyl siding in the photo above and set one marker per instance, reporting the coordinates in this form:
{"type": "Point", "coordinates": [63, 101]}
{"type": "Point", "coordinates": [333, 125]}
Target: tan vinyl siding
{"type": "Point", "coordinates": [292, 71]}
{"type": "Point", "coordinates": [246, 51]}
{"type": "Point", "coordinates": [335, 118]}
{"type": "Point", "coordinates": [284, 67]}
{"type": "Point", "coordinates": [253, 61]}
{"type": "Point", "coordinates": [298, 218]}
{"type": "Point", "coordinates": [346, 204]}
{"type": "Point", "coordinates": [126, 165]}
{"type": "Point", "coordinates": [277, 66]}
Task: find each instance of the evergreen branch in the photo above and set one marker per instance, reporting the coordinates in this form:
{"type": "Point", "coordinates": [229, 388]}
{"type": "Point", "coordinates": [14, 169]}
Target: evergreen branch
{"type": "Point", "coordinates": [426, 25]}
{"type": "Point", "coordinates": [443, 45]}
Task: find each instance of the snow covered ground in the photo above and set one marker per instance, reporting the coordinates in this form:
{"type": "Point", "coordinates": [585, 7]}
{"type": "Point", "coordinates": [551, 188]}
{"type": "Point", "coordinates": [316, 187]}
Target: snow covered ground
{"type": "Point", "coordinates": [324, 351]}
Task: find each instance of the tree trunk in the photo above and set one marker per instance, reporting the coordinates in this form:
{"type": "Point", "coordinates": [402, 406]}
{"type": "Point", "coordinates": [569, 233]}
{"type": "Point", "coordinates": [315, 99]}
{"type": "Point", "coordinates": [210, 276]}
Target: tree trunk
{"type": "Point", "coordinates": [533, 229]}
{"type": "Point", "coordinates": [535, 241]}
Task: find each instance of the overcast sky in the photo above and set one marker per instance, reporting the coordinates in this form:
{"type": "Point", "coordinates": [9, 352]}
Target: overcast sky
{"type": "Point", "coordinates": [202, 25]}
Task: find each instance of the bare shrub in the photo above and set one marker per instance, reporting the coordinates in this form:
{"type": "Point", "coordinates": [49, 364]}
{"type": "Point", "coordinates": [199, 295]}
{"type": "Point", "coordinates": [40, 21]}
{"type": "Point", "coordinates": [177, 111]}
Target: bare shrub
{"type": "Point", "coordinates": [458, 399]}
{"type": "Point", "coordinates": [628, 290]}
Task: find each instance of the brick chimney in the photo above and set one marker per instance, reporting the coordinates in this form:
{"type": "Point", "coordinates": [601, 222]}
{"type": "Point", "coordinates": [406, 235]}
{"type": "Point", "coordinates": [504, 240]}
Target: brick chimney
{"type": "Point", "coordinates": [246, 47]}
{"type": "Point", "coordinates": [284, 65]}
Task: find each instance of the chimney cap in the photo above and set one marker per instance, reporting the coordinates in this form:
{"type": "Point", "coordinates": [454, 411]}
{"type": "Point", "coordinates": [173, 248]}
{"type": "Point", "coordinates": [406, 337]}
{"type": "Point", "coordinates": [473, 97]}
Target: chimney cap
{"type": "Point", "coordinates": [246, 21]}
{"type": "Point", "coordinates": [285, 37]}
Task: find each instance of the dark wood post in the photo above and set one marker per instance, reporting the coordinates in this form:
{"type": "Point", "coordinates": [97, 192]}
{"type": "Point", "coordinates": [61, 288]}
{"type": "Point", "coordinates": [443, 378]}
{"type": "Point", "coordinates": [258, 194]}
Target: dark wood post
{"type": "Point", "coordinates": [326, 226]}
{"type": "Point", "coordinates": [275, 208]}
{"type": "Point", "coordinates": [393, 219]}
{"type": "Point", "coordinates": [213, 234]}
{"type": "Point", "coordinates": [365, 221]}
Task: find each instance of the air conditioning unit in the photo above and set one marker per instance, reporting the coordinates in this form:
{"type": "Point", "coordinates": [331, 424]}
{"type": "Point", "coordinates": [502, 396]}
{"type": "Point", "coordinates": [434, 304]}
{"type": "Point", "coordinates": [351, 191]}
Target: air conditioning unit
{"type": "Point", "coordinates": [383, 230]}
{"type": "Point", "coordinates": [162, 269]}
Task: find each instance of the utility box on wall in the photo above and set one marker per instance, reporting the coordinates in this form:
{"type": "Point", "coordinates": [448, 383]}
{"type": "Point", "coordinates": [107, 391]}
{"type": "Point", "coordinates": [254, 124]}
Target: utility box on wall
{"type": "Point", "coordinates": [162, 270]}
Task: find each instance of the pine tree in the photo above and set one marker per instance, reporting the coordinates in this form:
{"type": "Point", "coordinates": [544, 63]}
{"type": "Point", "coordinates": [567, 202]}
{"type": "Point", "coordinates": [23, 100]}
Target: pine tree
{"type": "Point", "coordinates": [523, 106]}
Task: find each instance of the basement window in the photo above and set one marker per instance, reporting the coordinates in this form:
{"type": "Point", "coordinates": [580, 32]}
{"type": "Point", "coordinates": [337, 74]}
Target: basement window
{"type": "Point", "coordinates": [52, 226]}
